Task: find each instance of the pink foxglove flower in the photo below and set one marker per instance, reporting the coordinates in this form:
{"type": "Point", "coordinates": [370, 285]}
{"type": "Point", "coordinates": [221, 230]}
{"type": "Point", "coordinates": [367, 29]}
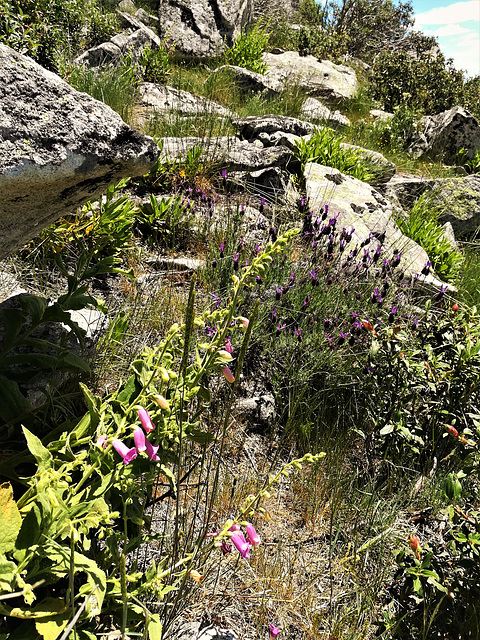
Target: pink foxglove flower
{"type": "Point", "coordinates": [243, 547]}
{"type": "Point", "coordinates": [140, 440]}
{"type": "Point", "coordinates": [228, 345]}
{"type": "Point", "coordinates": [274, 631]}
{"type": "Point", "coordinates": [151, 450]}
{"type": "Point", "coordinates": [102, 442]}
{"type": "Point", "coordinates": [127, 454]}
{"type": "Point", "coordinates": [235, 527]}
{"type": "Point", "coordinates": [252, 535]}
{"type": "Point", "coordinates": [228, 374]}
{"type": "Point", "coordinates": [145, 420]}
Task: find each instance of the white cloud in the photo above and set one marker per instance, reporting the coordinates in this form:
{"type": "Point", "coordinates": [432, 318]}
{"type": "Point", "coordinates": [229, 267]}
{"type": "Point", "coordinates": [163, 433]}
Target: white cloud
{"type": "Point", "coordinates": [453, 14]}
{"type": "Point", "coordinates": [450, 30]}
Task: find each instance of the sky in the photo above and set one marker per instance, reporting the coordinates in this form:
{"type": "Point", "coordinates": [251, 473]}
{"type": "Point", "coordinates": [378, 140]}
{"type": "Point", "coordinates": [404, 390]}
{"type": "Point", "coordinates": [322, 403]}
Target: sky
{"type": "Point", "coordinates": [457, 25]}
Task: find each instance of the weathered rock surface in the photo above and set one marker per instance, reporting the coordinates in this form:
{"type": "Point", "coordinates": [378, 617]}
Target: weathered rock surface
{"type": "Point", "coordinates": [273, 130]}
{"type": "Point", "coordinates": [112, 51]}
{"type": "Point", "coordinates": [315, 110]}
{"type": "Point", "coordinates": [445, 134]}
{"type": "Point", "coordinates": [459, 198]}
{"type": "Point", "coordinates": [319, 78]}
{"type": "Point", "coordinates": [58, 149]}
{"type": "Point", "coordinates": [252, 126]}
{"type": "Point", "coordinates": [235, 155]}
{"type": "Point", "coordinates": [380, 116]}
{"type": "Point", "coordinates": [202, 28]}
{"type": "Point", "coordinates": [366, 210]}
{"type": "Point", "coordinates": [386, 169]}
{"type": "Point", "coordinates": [250, 80]}
{"type": "Point", "coordinates": [161, 99]}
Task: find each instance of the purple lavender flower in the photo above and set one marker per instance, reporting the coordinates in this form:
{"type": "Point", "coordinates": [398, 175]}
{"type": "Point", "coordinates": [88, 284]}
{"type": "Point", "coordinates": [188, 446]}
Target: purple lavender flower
{"type": "Point", "coordinates": [426, 268]}
{"type": "Point", "coordinates": [222, 255]}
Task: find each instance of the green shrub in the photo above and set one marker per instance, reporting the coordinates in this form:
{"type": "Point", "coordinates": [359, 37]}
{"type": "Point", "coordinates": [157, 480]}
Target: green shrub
{"type": "Point", "coordinates": [156, 64]}
{"type": "Point", "coordinates": [426, 83]}
{"type": "Point", "coordinates": [50, 30]}
{"type": "Point", "coordinates": [248, 48]}
{"type": "Point", "coordinates": [324, 147]}
{"type": "Point", "coordinates": [422, 227]}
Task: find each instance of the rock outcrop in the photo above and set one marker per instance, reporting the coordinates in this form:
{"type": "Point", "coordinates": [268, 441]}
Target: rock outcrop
{"type": "Point", "coordinates": [58, 149]}
{"type": "Point", "coordinates": [315, 110]}
{"type": "Point", "coordinates": [458, 199]}
{"type": "Point", "coordinates": [160, 100]}
{"type": "Point", "coordinates": [202, 28]}
{"type": "Point", "coordinates": [360, 206]}
{"type": "Point", "coordinates": [323, 78]}
{"type": "Point", "coordinates": [444, 134]}
{"type": "Point", "coordinates": [131, 42]}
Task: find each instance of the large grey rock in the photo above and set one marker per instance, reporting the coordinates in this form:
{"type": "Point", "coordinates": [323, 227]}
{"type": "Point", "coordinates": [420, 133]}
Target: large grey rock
{"type": "Point", "coordinates": [58, 149]}
{"type": "Point", "coordinates": [203, 28]}
{"type": "Point", "coordinates": [458, 199]}
{"type": "Point", "coordinates": [252, 126]}
{"type": "Point", "coordinates": [380, 116]}
{"type": "Point", "coordinates": [385, 169]}
{"type": "Point", "coordinates": [315, 110]}
{"type": "Point", "coordinates": [101, 55]}
{"type": "Point", "coordinates": [111, 52]}
{"type": "Point", "coordinates": [161, 99]}
{"type": "Point", "coordinates": [366, 210]}
{"type": "Point", "coordinates": [233, 154]}
{"type": "Point", "coordinates": [444, 134]}
{"type": "Point", "coordinates": [250, 80]}
{"type": "Point", "coordinates": [319, 78]}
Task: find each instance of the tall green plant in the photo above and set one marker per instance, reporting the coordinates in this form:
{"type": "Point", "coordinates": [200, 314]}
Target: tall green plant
{"type": "Point", "coordinates": [248, 48]}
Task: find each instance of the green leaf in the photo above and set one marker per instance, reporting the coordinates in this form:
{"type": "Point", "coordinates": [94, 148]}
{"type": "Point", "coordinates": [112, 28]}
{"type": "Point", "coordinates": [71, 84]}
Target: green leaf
{"type": "Point", "coordinates": [13, 320]}
{"type": "Point", "coordinates": [29, 534]}
{"type": "Point", "coordinates": [13, 403]}
{"type": "Point", "coordinates": [142, 370]}
{"type": "Point", "coordinates": [36, 448]}
{"type": "Point", "coordinates": [155, 627]}
{"type": "Point", "coordinates": [50, 628]}
{"type": "Point", "coordinates": [7, 575]}
{"type": "Point", "coordinates": [10, 518]}
{"type": "Point", "coordinates": [388, 428]}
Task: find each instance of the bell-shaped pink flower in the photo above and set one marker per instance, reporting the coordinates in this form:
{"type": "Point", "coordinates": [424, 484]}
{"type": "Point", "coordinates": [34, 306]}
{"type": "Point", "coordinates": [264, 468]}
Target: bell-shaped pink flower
{"type": "Point", "coordinates": [235, 527]}
{"type": "Point", "coordinates": [228, 374]}
{"type": "Point", "coordinates": [102, 442]}
{"type": "Point", "coordinates": [243, 547]}
{"type": "Point", "coordinates": [127, 454]}
{"type": "Point", "coordinates": [147, 424]}
{"type": "Point", "coordinates": [274, 631]}
{"type": "Point", "coordinates": [151, 450]}
{"type": "Point", "coordinates": [252, 535]}
{"type": "Point", "coordinates": [140, 440]}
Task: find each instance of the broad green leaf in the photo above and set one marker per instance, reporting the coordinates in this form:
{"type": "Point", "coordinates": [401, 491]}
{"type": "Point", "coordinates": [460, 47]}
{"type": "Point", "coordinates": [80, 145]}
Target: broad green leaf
{"type": "Point", "coordinates": [7, 575]}
{"type": "Point", "coordinates": [44, 609]}
{"type": "Point", "coordinates": [36, 448]}
{"type": "Point", "coordinates": [388, 428]}
{"type": "Point", "coordinates": [155, 627]}
{"type": "Point", "coordinates": [29, 534]}
{"type": "Point", "coordinates": [52, 627]}
{"type": "Point", "coordinates": [13, 403]}
{"type": "Point", "coordinates": [34, 306]}
{"type": "Point", "coordinates": [142, 370]}
{"type": "Point", "coordinates": [13, 320]}
{"type": "Point", "coordinates": [10, 518]}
